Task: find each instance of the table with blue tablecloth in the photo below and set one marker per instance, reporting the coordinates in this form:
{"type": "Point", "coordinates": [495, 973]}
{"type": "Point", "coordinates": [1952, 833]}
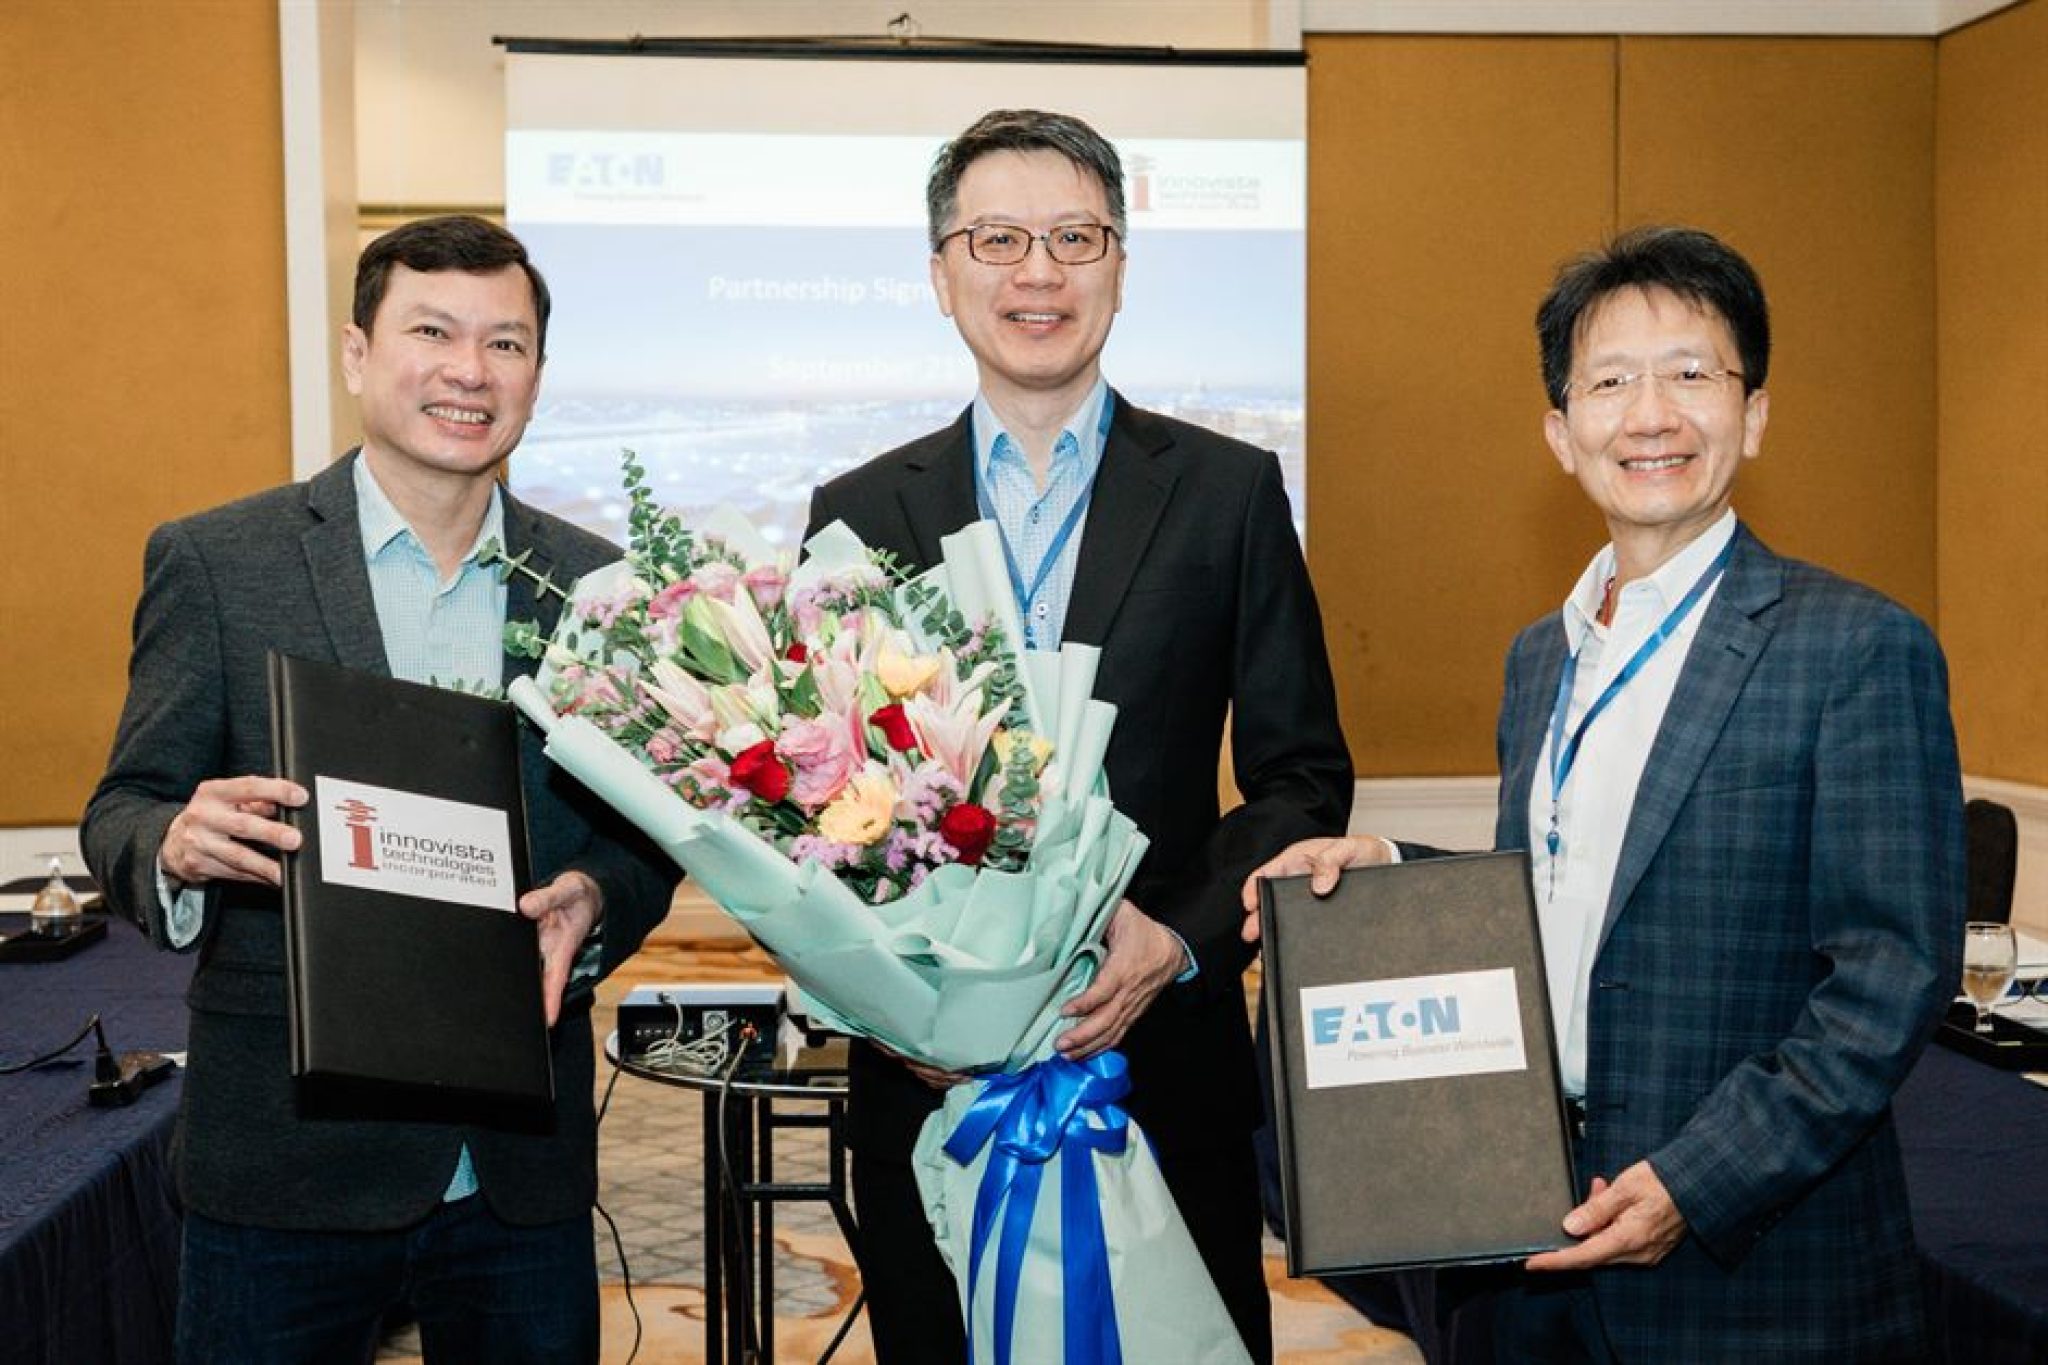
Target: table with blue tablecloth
{"type": "Point", "coordinates": [1975, 1141]}
{"type": "Point", "coordinates": [88, 1221]}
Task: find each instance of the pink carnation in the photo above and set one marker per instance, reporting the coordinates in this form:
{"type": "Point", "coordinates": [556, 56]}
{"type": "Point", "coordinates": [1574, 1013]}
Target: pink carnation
{"type": "Point", "coordinates": [664, 746]}
{"type": "Point", "coordinates": [823, 757]}
{"type": "Point", "coordinates": [669, 601]}
{"type": "Point", "coordinates": [766, 583]}
{"type": "Point", "coordinates": [715, 579]}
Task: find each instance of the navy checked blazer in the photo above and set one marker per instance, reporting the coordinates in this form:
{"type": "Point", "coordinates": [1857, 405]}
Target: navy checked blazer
{"type": "Point", "coordinates": [1784, 932]}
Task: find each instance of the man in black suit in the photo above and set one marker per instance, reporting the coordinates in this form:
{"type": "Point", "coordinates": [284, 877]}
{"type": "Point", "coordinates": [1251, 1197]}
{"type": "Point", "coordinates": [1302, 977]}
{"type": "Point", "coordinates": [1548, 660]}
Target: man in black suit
{"type": "Point", "coordinates": [302, 1231]}
{"type": "Point", "coordinates": [1172, 549]}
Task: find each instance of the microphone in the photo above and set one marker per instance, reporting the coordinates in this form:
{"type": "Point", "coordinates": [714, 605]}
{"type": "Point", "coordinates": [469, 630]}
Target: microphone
{"type": "Point", "coordinates": [118, 1080]}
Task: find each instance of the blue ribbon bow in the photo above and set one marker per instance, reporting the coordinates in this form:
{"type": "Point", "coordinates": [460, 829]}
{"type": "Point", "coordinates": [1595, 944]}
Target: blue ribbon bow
{"type": "Point", "coordinates": [1053, 1107]}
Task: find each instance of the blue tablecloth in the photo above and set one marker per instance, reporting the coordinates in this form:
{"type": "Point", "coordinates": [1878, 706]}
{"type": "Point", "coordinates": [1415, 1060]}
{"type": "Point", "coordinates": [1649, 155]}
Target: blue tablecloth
{"type": "Point", "coordinates": [88, 1224]}
{"type": "Point", "coordinates": [1975, 1142]}
{"type": "Point", "coordinates": [1976, 1148]}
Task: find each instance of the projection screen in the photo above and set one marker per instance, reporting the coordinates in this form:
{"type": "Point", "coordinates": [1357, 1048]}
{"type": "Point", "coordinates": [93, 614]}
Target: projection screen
{"type": "Point", "coordinates": [737, 251]}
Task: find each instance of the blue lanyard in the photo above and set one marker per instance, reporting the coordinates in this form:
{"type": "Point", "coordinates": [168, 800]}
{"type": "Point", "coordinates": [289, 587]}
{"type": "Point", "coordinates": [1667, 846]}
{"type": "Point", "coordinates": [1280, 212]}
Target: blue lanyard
{"type": "Point", "coordinates": [1027, 595]}
{"type": "Point", "coordinates": [1565, 753]}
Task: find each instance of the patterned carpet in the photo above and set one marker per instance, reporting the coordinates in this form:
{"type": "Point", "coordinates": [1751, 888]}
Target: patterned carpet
{"type": "Point", "coordinates": [652, 1186]}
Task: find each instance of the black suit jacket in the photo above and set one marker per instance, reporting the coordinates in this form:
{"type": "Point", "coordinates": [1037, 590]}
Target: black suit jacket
{"type": "Point", "coordinates": [1192, 582]}
{"type": "Point", "coordinates": [284, 570]}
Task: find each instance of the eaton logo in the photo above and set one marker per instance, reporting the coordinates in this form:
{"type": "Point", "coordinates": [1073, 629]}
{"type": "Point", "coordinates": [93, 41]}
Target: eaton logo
{"type": "Point", "coordinates": [606, 171]}
{"type": "Point", "coordinates": [1411, 1028]}
{"type": "Point", "coordinates": [1376, 1021]}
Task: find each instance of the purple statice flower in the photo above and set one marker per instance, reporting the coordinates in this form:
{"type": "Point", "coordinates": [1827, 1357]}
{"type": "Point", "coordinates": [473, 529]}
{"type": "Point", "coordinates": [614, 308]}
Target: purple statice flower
{"type": "Point", "coordinates": [814, 848]}
{"type": "Point", "coordinates": [927, 791]}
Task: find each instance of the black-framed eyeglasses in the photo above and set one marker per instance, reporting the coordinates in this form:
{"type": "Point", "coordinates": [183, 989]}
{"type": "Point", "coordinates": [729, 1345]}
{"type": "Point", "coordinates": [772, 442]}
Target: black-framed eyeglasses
{"type": "Point", "coordinates": [1009, 244]}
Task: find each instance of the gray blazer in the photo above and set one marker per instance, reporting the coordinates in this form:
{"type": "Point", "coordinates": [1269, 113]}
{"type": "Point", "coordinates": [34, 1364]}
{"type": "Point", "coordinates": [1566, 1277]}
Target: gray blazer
{"type": "Point", "coordinates": [284, 570]}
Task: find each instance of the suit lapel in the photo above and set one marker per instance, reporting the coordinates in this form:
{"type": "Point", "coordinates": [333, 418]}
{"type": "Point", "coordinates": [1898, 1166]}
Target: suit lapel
{"type": "Point", "coordinates": [938, 496]}
{"type": "Point", "coordinates": [1536, 676]}
{"type": "Point", "coordinates": [1730, 641]}
{"type": "Point", "coordinates": [341, 580]}
{"type": "Point", "coordinates": [525, 532]}
{"type": "Point", "coordinates": [1131, 491]}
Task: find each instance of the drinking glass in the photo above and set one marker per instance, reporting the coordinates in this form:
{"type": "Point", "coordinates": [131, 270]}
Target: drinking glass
{"type": "Point", "coordinates": [56, 905]}
{"type": "Point", "coordinates": [1990, 956]}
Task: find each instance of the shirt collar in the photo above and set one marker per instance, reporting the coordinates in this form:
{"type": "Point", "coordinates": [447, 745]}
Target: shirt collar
{"type": "Point", "coordinates": [381, 522]}
{"type": "Point", "coordinates": [1672, 580]}
{"type": "Point", "coordinates": [1084, 425]}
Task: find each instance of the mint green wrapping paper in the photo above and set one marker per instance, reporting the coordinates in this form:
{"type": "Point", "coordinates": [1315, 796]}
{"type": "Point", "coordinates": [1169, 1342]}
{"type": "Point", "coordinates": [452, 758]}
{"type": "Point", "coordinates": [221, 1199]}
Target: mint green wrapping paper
{"type": "Point", "coordinates": [966, 972]}
{"type": "Point", "coordinates": [1167, 1309]}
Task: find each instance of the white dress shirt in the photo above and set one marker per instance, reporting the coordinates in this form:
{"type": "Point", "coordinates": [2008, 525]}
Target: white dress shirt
{"type": "Point", "coordinates": [1573, 887]}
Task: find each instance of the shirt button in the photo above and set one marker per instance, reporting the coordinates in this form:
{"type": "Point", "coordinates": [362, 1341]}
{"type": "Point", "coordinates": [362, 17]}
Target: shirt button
{"type": "Point", "coordinates": [1034, 516]}
{"type": "Point", "coordinates": [1041, 611]}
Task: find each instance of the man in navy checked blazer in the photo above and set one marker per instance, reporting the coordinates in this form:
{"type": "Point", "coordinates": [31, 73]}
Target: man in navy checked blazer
{"type": "Point", "coordinates": [1736, 776]}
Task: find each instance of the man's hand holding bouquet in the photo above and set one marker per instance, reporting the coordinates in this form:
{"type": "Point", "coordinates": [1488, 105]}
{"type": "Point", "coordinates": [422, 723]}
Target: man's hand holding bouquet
{"type": "Point", "coordinates": [909, 813]}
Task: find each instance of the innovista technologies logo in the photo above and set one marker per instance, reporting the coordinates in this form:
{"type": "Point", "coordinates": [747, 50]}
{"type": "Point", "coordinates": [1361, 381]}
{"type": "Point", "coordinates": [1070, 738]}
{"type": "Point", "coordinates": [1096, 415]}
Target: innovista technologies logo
{"type": "Point", "coordinates": [409, 844]}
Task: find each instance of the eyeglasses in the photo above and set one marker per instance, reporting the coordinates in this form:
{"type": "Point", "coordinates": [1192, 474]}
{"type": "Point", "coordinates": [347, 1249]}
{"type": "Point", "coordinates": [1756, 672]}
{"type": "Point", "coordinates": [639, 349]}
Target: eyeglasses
{"type": "Point", "coordinates": [1689, 384]}
{"type": "Point", "coordinates": [1008, 244]}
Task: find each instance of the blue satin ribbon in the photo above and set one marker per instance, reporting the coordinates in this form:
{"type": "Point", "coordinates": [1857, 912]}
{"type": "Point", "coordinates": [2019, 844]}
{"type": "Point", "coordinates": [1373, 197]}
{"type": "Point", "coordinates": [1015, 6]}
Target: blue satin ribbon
{"type": "Point", "coordinates": [1052, 1108]}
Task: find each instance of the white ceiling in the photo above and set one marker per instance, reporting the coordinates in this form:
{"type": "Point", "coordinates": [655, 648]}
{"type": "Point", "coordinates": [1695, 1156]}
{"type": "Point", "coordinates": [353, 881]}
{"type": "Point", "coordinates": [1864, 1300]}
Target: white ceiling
{"type": "Point", "coordinates": [1834, 17]}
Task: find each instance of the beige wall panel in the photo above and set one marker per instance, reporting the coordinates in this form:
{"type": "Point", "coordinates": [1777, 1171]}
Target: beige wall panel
{"type": "Point", "coordinates": [142, 357]}
{"type": "Point", "coordinates": [1447, 178]}
{"type": "Point", "coordinates": [1992, 229]}
{"type": "Point", "coordinates": [1814, 157]}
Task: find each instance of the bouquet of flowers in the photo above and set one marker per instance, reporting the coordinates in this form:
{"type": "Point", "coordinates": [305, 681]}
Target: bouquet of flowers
{"type": "Point", "coordinates": [909, 813]}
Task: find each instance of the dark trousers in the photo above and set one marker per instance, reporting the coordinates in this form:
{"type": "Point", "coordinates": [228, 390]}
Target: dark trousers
{"type": "Point", "coordinates": [913, 1302]}
{"type": "Point", "coordinates": [1550, 1320]}
{"type": "Point", "coordinates": [482, 1290]}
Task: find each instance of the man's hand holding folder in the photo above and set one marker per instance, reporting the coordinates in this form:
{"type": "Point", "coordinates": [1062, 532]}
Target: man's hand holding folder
{"type": "Point", "coordinates": [567, 910]}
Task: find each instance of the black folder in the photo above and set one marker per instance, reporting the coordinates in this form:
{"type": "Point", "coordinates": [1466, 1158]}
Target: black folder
{"type": "Point", "coordinates": [1403, 974]}
{"type": "Point", "coordinates": [408, 966]}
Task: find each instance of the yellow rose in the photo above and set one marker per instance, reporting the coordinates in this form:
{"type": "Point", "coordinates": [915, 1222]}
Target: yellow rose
{"type": "Point", "coordinates": [904, 675]}
{"type": "Point", "coordinates": [1003, 740]}
{"type": "Point", "coordinates": [862, 812]}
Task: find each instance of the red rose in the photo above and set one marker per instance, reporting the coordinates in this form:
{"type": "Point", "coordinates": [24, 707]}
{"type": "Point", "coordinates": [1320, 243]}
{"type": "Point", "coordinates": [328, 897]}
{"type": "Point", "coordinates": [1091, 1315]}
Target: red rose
{"type": "Point", "coordinates": [895, 727]}
{"type": "Point", "coordinates": [969, 829]}
{"type": "Point", "coordinates": [758, 770]}
{"type": "Point", "coordinates": [798, 652]}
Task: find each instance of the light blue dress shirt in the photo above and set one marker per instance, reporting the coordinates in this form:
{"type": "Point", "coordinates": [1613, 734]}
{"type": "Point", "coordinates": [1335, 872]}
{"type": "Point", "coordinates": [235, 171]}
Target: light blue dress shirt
{"type": "Point", "coordinates": [446, 633]}
{"type": "Point", "coordinates": [1029, 518]}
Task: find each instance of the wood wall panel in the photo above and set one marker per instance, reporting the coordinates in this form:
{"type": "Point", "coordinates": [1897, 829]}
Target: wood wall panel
{"type": "Point", "coordinates": [142, 356]}
{"type": "Point", "coordinates": [1447, 177]}
{"type": "Point", "coordinates": [1992, 231]}
{"type": "Point", "coordinates": [1815, 159]}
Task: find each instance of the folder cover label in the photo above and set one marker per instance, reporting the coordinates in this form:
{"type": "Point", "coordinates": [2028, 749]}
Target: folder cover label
{"type": "Point", "coordinates": [1411, 1028]}
{"type": "Point", "coordinates": [407, 844]}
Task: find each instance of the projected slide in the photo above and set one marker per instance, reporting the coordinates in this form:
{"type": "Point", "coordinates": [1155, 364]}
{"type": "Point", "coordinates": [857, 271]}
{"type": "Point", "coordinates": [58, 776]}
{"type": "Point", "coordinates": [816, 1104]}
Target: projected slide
{"type": "Point", "coordinates": [752, 312]}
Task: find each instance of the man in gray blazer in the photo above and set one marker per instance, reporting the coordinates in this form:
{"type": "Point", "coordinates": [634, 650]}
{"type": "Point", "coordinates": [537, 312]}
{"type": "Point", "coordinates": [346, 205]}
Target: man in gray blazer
{"type": "Point", "coordinates": [303, 1228]}
{"type": "Point", "coordinates": [1737, 779]}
